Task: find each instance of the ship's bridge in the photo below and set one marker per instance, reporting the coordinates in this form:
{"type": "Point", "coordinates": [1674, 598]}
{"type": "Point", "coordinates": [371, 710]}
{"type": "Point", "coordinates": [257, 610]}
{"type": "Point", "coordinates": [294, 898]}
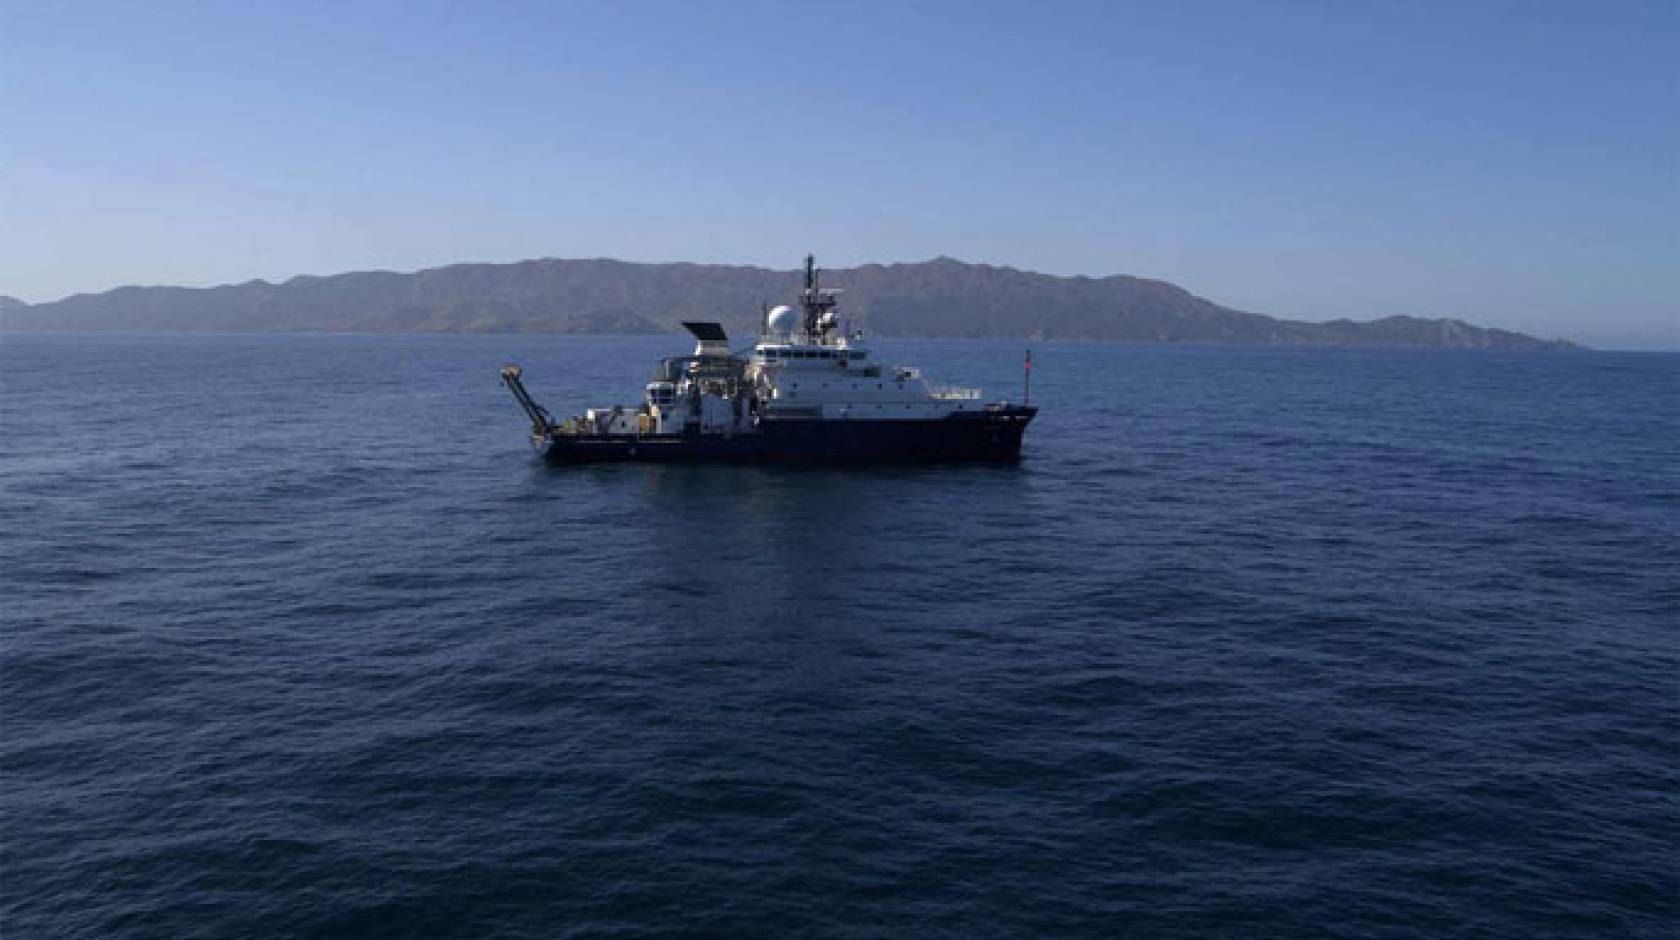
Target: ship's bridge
{"type": "Point", "coordinates": [778, 354]}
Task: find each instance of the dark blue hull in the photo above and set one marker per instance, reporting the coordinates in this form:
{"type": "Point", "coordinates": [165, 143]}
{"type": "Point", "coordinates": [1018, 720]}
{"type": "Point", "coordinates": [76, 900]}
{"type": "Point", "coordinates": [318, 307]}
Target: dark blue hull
{"type": "Point", "coordinates": [993, 434]}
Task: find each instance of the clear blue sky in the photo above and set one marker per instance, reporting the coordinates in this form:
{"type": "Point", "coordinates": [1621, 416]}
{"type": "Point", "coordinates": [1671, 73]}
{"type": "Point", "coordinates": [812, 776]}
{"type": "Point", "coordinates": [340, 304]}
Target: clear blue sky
{"type": "Point", "coordinates": [1513, 164]}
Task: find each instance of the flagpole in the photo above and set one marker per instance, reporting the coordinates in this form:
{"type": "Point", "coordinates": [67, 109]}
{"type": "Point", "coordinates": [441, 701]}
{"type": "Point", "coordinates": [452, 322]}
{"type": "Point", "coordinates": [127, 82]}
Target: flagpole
{"type": "Point", "coordinates": [1026, 381]}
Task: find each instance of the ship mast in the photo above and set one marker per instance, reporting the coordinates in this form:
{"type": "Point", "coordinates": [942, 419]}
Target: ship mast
{"type": "Point", "coordinates": [815, 300]}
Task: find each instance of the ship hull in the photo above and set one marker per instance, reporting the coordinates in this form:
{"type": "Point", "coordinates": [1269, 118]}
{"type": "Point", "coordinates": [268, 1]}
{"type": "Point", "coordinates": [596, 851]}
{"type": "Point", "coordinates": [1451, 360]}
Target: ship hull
{"type": "Point", "coordinates": [990, 435]}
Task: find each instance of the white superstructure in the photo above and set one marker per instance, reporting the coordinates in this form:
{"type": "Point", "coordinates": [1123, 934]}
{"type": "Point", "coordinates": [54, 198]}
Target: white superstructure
{"type": "Point", "coordinates": [804, 365]}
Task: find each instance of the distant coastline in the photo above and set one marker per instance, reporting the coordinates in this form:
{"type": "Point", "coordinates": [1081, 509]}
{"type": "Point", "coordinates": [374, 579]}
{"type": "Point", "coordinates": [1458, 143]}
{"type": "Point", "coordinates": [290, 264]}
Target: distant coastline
{"type": "Point", "coordinates": [939, 298]}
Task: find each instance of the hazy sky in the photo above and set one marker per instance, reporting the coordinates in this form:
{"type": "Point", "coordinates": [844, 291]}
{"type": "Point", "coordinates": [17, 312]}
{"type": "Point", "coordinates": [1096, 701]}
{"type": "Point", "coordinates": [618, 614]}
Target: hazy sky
{"type": "Point", "coordinates": [1513, 164]}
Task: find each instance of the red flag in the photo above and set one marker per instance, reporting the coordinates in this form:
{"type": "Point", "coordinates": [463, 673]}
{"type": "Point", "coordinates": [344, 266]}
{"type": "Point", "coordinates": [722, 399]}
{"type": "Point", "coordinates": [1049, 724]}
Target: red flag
{"type": "Point", "coordinates": [1029, 359]}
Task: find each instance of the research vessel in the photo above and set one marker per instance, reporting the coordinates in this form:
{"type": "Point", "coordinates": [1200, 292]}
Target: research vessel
{"type": "Point", "coordinates": [807, 389]}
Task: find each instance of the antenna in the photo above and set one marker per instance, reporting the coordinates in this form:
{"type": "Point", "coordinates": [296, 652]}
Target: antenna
{"type": "Point", "coordinates": [810, 297]}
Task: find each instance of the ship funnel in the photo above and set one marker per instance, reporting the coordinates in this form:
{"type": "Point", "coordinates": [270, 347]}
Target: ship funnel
{"type": "Point", "coordinates": [713, 341]}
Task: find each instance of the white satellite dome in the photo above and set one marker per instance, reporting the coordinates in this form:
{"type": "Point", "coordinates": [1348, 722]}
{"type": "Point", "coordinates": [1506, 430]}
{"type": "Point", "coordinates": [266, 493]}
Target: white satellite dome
{"type": "Point", "coordinates": [783, 320]}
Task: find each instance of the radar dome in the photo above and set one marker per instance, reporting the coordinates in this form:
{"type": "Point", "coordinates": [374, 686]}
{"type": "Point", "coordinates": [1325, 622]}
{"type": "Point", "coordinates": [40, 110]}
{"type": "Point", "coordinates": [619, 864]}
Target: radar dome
{"type": "Point", "coordinates": [783, 320]}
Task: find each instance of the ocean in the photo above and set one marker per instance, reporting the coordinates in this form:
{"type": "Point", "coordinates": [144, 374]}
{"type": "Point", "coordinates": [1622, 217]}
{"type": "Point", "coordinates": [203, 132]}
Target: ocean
{"type": "Point", "coordinates": [298, 640]}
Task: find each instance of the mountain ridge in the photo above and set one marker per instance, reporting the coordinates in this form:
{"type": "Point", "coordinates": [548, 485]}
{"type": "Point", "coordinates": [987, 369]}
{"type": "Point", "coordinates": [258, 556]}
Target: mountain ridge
{"type": "Point", "coordinates": [943, 297]}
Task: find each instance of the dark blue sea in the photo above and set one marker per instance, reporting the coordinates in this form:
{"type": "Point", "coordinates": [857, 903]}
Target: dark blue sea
{"type": "Point", "coordinates": [298, 640]}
